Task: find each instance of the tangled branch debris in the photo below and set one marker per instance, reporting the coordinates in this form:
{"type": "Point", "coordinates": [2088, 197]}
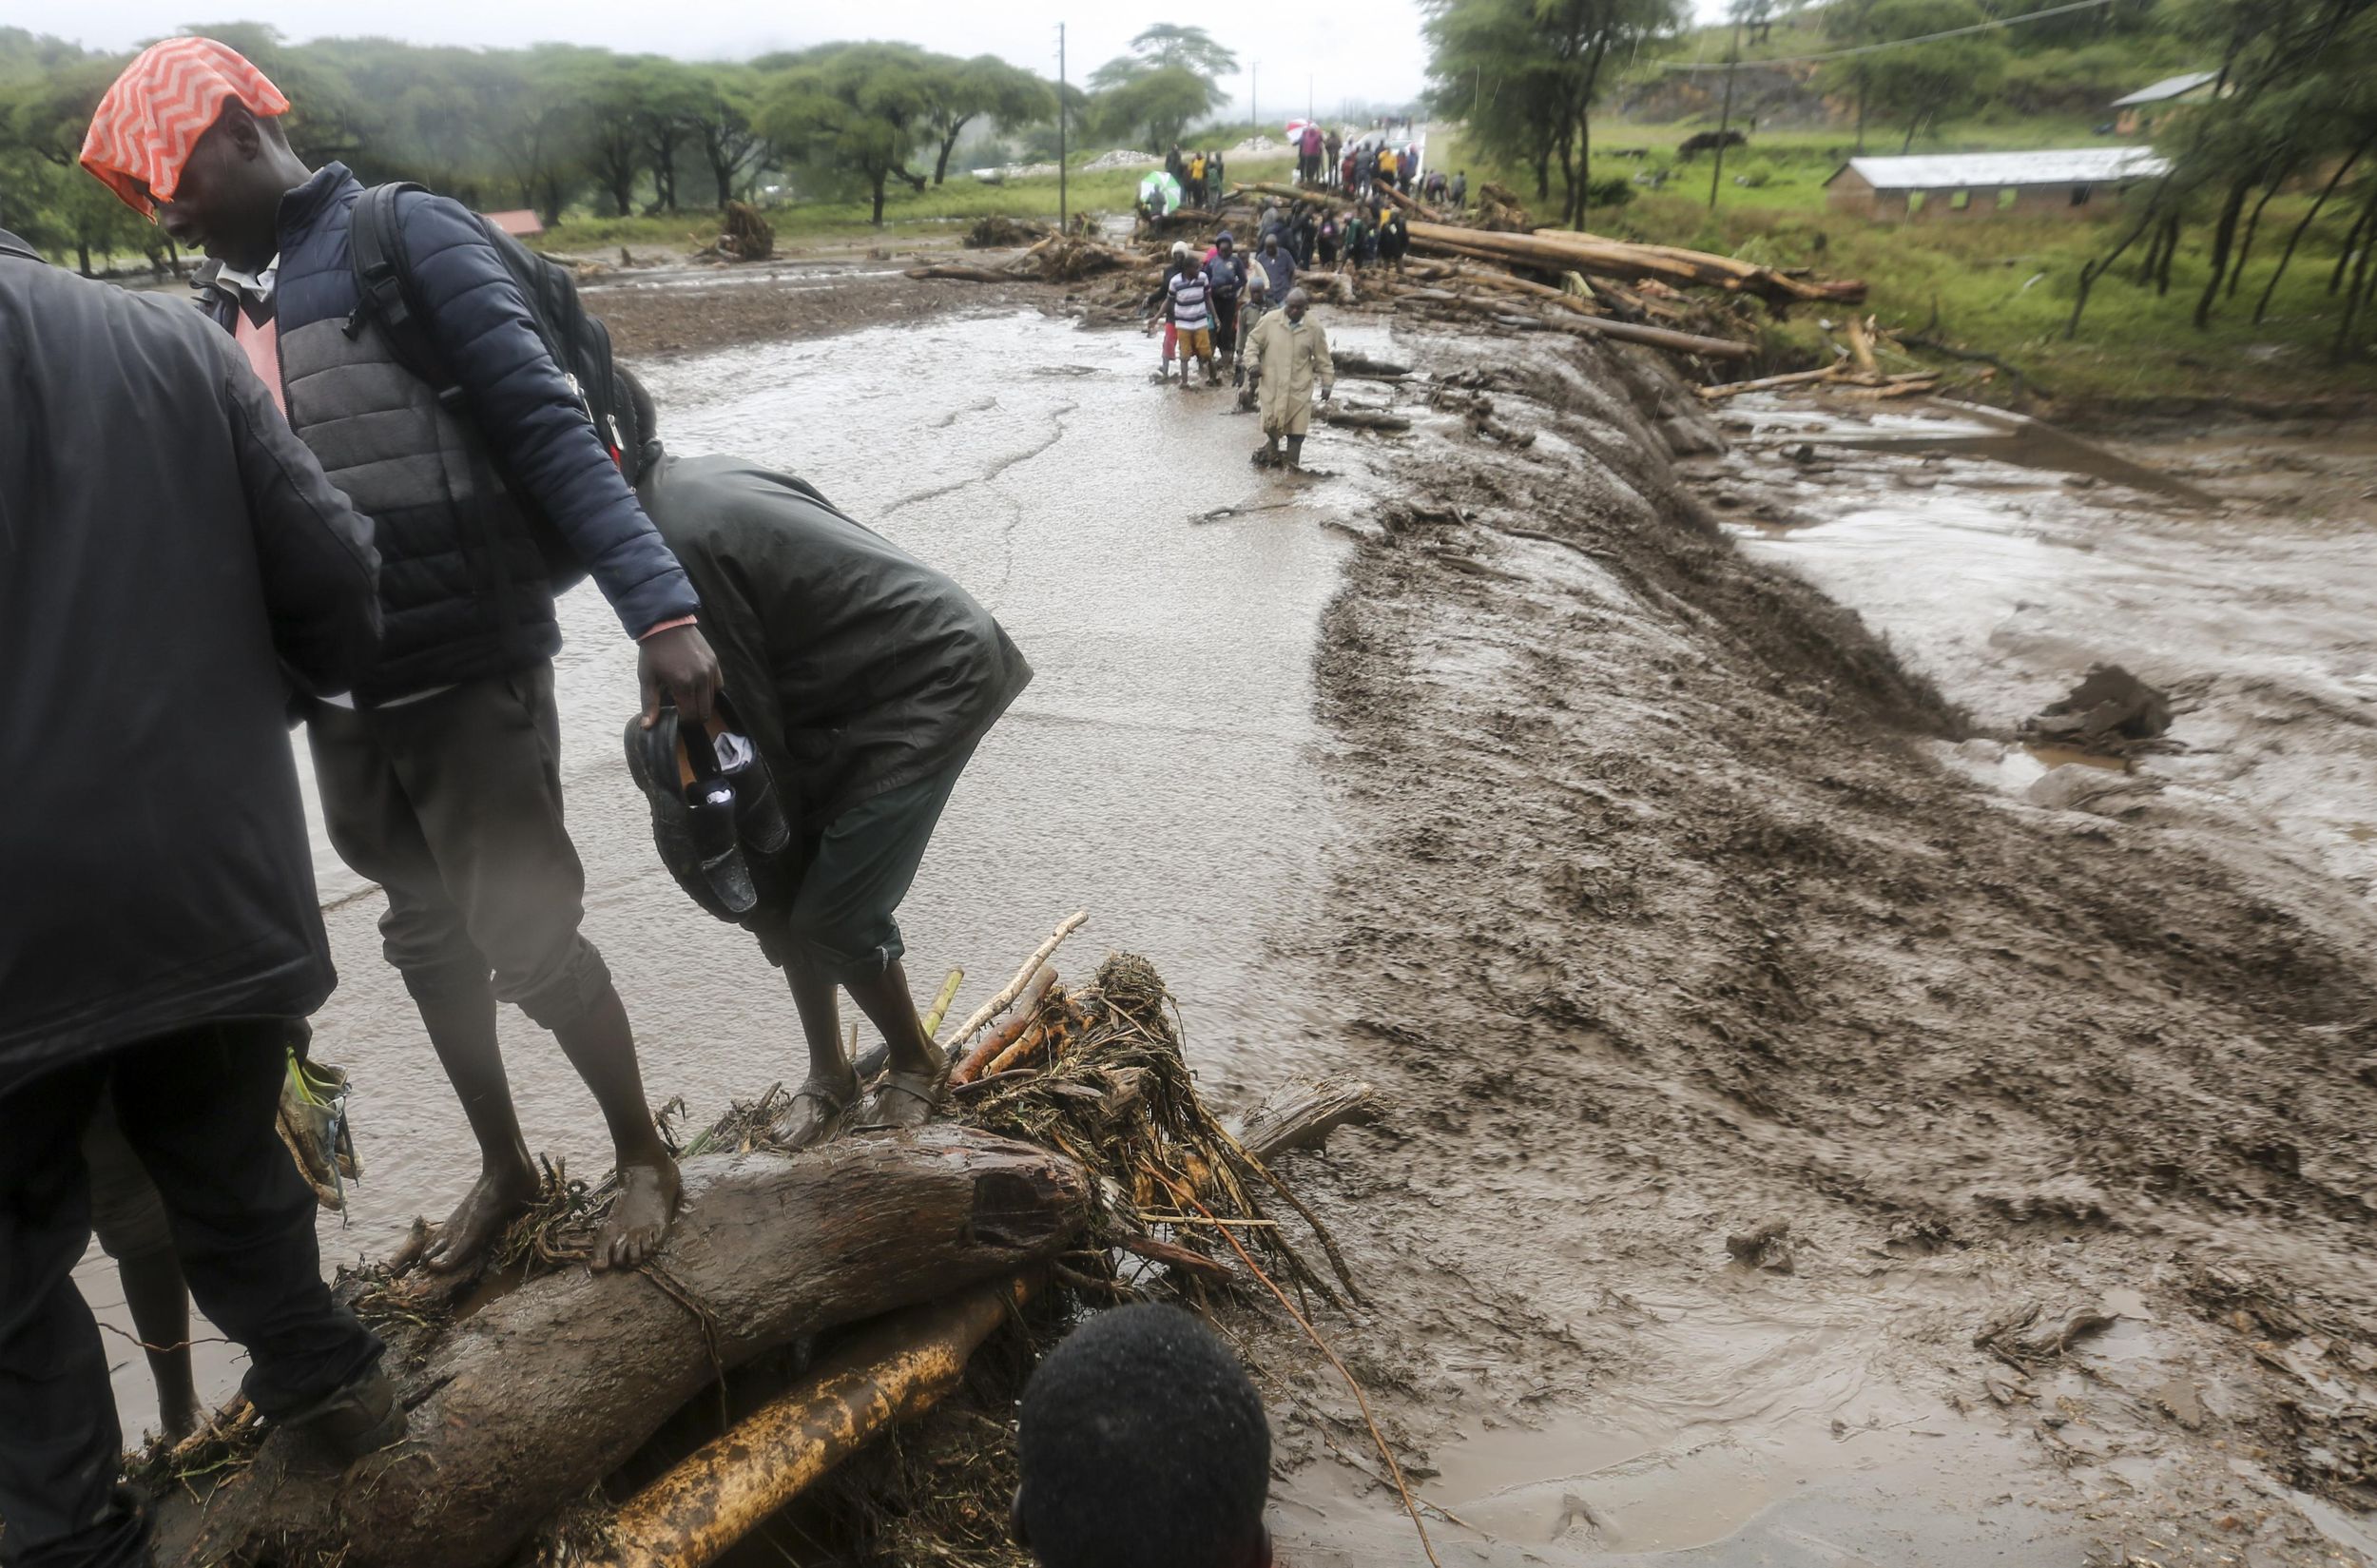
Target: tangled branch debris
{"type": "Point", "coordinates": [1086, 1167]}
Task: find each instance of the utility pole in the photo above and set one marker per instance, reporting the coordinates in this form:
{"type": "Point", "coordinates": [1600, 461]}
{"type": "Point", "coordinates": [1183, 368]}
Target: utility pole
{"type": "Point", "coordinates": [1254, 98]}
{"type": "Point", "coordinates": [1725, 121]}
{"type": "Point", "coordinates": [1307, 95]}
{"type": "Point", "coordinates": [1063, 217]}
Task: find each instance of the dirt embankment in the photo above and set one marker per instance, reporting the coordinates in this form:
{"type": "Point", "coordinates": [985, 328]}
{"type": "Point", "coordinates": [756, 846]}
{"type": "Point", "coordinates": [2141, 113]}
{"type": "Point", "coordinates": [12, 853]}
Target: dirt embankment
{"type": "Point", "coordinates": [1654, 924]}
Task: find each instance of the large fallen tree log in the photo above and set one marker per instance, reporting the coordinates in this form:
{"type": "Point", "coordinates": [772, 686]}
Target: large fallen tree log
{"type": "Point", "coordinates": [1500, 312]}
{"type": "Point", "coordinates": [888, 1372]}
{"type": "Point", "coordinates": [520, 1408]}
{"type": "Point", "coordinates": [1564, 250]}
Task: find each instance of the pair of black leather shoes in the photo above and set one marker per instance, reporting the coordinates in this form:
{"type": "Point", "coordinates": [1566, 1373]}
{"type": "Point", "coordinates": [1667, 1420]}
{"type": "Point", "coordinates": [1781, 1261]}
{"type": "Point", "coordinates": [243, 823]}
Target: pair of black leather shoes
{"type": "Point", "coordinates": [721, 832]}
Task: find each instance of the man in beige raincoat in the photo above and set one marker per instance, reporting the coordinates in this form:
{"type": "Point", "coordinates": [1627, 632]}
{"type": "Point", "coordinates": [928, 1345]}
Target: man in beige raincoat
{"type": "Point", "coordinates": [1290, 353]}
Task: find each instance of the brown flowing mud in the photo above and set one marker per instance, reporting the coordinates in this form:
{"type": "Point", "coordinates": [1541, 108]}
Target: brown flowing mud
{"type": "Point", "coordinates": [1666, 904]}
{"type": "Point", "coordinates": [1661, 916]}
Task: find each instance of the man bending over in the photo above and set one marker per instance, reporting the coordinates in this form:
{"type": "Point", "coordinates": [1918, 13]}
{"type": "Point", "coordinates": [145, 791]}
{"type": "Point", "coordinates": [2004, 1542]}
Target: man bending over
{"type": "Point", "coordinates": [864, 679]}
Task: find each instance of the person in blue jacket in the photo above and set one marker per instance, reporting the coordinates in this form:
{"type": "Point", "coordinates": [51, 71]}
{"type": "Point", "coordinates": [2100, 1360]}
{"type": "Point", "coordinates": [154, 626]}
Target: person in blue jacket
{"type": "Point", "coordinates": [440, 771]}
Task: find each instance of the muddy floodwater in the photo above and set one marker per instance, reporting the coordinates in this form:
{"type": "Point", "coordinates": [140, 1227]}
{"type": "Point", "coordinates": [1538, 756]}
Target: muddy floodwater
{"type": "Point", "coordinates": [2004, 581]}
{"type": "Point", "coordinates": [1158, 772]}
{"type": "Point", "coordinates": [1658, 899]}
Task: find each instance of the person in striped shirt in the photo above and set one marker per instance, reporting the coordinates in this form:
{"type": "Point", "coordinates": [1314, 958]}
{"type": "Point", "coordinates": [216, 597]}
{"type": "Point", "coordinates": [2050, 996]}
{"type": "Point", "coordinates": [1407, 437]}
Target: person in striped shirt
{"type": "Point", "coordinates": [1191, 294]}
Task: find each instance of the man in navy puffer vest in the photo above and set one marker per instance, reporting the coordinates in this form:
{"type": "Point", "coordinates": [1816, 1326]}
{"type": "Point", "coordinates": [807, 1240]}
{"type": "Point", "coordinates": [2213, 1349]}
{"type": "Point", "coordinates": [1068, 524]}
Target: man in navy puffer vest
{"type": "Point", "coordinates": [440, 772]}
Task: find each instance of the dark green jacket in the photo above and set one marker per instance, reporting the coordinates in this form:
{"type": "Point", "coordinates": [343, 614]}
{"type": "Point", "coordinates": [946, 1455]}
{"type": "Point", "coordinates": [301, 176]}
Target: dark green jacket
{"type": "Point", "coordinates": [855, 667]}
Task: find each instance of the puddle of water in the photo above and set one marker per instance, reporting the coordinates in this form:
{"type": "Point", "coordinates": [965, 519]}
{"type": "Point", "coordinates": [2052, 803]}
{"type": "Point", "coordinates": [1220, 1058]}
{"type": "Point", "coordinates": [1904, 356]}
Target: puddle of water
{"type": "Point", "coordinates": [1579, 1483]}
{"type": "Point", "coordinates": [1160, 772]}
{"type": "Point", "coordinates": [2056, 756]}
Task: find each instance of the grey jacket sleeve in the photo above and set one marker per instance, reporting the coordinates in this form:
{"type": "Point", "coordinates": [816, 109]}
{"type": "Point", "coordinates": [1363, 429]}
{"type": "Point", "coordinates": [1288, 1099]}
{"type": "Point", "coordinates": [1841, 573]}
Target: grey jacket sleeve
{"type": "Point", "coordinates": [320, 573]}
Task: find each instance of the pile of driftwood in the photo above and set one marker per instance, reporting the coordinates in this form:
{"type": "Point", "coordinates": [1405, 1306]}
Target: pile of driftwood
{"type": "Point", "coordinates": [824, 1296]}
{"type": "Point", "coordinates": [998, 232]}
{"type": "Point", "coordinates": [1857, 372]}
{"type": "Point", "coordinates": [1565, 280]}
{"type": "Point", "coordinates": [745, 236]}
{"type": "Point", "coordinates": [1057, 259]}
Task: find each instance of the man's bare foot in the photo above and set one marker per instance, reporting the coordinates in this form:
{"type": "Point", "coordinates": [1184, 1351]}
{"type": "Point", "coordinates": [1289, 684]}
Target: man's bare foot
{"type": "Point", "coordinates": [501, 1194]}
{"type": "Point", "coordinates": [639, 1219]}
{"type": "Point", "coordinates": [815, 1112]}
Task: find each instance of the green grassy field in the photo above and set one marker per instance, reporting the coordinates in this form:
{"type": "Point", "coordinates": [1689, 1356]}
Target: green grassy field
{"type": "Point", "coordinates": [2001, 286]}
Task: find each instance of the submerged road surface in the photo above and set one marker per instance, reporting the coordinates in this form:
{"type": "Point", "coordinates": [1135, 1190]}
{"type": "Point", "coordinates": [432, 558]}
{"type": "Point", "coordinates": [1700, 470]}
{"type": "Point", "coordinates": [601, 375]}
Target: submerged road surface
{"type": "Point", "coordinates": [1159, 772]}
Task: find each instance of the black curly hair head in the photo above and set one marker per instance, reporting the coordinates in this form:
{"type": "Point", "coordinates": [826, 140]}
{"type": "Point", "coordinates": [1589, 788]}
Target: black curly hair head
{"type": "Point", "coordinates": [1144, 1446]}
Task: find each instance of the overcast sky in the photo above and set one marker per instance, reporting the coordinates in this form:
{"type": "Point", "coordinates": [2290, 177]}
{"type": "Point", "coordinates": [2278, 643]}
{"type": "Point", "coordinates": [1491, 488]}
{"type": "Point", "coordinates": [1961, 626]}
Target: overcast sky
{"type": "Point", "coordinates": [1371, 50]}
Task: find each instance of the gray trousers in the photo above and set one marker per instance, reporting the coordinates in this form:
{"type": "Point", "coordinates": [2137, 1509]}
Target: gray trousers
{"type": "Point", "coordinates": [452, 805]}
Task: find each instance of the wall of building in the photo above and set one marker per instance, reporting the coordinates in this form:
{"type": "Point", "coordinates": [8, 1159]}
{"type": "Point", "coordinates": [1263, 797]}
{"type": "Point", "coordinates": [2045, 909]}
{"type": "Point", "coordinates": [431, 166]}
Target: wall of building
{"type": "Point", "coordinates": [1853, 197]}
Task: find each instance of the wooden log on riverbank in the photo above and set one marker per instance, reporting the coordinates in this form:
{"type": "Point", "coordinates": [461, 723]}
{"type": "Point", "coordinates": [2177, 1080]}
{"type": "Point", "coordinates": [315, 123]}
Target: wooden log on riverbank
{"type": "Point", "coordinates": [1568, 250]}
{"type": "Point", "coordinates": [521, 1407]}
{"type": "Point", "coordinates": [891, 1371]}
{"type": "Point", "coordinates": [1502, 312]}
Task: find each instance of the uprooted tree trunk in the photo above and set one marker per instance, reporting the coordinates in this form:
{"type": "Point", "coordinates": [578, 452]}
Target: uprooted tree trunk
{"type": "Point", "coordinates": [523, 1407]}
{"type": "Point", "coordinates": [890, 1371]}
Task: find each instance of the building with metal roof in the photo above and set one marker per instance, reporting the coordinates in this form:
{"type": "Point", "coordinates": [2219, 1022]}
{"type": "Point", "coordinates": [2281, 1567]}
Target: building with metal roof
{"type": "Point", "coordinates": [2141, 109]}
{"type": "Point", "coordinates": [2062, 182]}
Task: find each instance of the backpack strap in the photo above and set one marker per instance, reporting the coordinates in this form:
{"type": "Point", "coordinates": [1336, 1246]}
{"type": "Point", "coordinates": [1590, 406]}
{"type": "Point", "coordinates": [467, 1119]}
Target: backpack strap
{"type": "Point", "coordinates": [387, 292]}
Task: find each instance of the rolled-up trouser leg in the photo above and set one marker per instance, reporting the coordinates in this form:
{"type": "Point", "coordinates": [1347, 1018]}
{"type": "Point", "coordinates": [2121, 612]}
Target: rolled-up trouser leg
{"type": "Point", "coordinates": [454, 804]}
{"type": "Point", "coordinates": [840, 920]}
{"type": "Point", "coordinates": [126, 1212]}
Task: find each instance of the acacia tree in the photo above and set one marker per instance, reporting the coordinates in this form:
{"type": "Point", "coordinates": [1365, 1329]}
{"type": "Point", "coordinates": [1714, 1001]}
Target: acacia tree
{"type": "Point", "coordinates": [1155, 106]}
{"type": "Point", "coordinates": [1526, 74]}
{"type": "Point", "coordinates": [49, 200]}
{"type": "Point", "coordinates": [1920, 84]}
{"type": "Point", "coordinates": [853, 110]}
{"type": "Point", "coordinates": [668, 117]}
{"type": "Point", "coordinates": [727, 129]}
{"type": "Point", "coordinates": [1171, 76]}
{"type": "Point", "coordinates": [1165, 46]}
{"type": "Point", "coordinates": [963, 91]}
{"type": "Point", "coordinates": [538, 132]}
{"type": "Point", "coordinates": [611, 91]}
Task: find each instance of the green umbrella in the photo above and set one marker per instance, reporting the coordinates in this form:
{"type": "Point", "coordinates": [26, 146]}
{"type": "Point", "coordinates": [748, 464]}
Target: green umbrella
{"type": "Point", "coordinates": [1160, 191]}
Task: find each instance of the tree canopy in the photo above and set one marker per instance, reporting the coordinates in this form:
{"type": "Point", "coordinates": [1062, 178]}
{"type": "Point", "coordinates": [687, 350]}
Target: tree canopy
{"type": "Point", "coordinates": [544, 127]}
{"type": "Point", "coordinates": [1526, 74]}
{"type": "Point", "coordinates": [1170, 77]}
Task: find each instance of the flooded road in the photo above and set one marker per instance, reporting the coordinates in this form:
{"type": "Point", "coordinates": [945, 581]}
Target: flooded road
{"type": "Point", "coordinates": [1159, 771]}
{"type": "Point", "coordinates": [1622, 923]}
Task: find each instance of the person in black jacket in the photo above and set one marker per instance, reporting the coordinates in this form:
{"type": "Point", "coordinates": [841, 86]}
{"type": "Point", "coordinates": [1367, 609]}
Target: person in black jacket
{"type": "Point", "coordinates": [171, 557]}
{"type": "Point", "coordinates": [865, 680]}
{"type": "Point", "coordinates": [441, 776]}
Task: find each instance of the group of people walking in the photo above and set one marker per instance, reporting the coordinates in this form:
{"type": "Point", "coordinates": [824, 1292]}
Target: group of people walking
{"type": "Point", "coordinates": [1224, 306]}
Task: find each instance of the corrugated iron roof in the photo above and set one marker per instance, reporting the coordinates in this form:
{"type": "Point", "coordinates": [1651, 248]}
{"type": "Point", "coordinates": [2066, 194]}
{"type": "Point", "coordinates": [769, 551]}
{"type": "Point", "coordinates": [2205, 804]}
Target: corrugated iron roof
{"type": "Point", "coordinates": [1986, 170]}
{"type": "Point", "coordinates": [2169, 86]}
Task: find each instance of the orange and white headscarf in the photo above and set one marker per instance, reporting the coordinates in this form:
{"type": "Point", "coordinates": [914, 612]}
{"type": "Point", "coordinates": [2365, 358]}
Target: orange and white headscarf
{"type": "Point", "coordinates": [142, 134]}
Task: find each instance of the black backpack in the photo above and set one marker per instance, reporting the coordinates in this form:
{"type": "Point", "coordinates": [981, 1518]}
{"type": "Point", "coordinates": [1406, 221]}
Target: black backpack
{"type": "Point", "coordinates": [579, 343]}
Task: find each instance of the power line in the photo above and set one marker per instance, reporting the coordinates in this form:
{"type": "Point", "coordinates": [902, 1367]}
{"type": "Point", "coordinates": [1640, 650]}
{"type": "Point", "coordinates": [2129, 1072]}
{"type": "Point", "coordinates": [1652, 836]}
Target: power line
{"type": "Point", "coordinates": [1896, 43]}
